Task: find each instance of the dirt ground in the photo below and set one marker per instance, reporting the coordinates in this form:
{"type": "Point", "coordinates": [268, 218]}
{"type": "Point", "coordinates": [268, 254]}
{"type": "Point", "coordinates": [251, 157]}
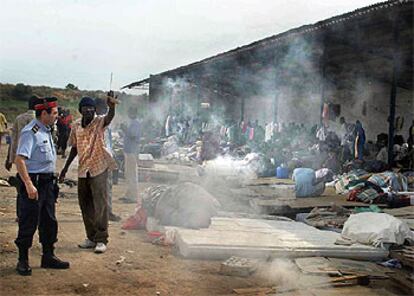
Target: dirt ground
{"type": "Point", "coordinates": [147, 268]}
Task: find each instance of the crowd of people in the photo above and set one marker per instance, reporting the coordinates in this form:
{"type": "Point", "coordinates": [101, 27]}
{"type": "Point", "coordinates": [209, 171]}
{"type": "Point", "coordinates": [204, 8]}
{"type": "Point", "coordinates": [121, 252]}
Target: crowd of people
{"type": "Point", "coordinates": [332, 144]}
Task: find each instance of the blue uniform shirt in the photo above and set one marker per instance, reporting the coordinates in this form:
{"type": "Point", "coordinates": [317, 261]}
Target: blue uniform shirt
{"type": "Point", "coordinates": [36, 144]}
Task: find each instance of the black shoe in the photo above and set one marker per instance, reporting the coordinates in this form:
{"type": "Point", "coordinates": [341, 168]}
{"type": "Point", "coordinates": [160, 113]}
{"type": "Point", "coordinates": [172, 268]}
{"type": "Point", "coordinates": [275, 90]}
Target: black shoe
{"type": "Point", "coordinates": [23, 268]}
{"type": "Point", "coordinates": [53, 262]}
{"type": "Point", "coordinates": [113, 217]}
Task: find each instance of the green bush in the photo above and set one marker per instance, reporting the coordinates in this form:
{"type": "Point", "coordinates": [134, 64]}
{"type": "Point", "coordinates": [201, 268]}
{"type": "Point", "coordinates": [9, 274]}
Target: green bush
{"type": "Point", "coordinates": [22, 92]}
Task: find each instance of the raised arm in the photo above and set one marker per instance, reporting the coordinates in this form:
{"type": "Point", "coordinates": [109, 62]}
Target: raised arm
{"type": "Point", "coordinates": [111, 101]}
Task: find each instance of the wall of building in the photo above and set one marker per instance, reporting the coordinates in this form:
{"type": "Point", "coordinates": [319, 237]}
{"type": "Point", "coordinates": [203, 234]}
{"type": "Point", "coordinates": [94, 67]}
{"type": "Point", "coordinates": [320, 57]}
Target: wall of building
{"type": "Point", "coordinates": [361, 99]}
{"type": "Point", "coordinates": [292, 106]}
{"type": "Point", "coordinates": [376, 97]}
{"type": "Point", "coordinates": [373, 96]}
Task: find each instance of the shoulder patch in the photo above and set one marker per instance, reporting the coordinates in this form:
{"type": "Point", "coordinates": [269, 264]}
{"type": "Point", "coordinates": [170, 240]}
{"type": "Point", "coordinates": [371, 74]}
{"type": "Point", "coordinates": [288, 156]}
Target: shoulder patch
{"type": "Point", "coordinates": [35, 128]}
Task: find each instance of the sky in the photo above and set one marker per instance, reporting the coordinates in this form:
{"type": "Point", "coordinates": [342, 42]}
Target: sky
{"type": "Point", "coordinates": [49, 42]}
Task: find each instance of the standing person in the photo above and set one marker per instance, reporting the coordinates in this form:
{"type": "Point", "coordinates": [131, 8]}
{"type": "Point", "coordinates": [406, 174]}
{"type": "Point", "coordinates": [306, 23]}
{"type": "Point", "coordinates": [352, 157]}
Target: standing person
{"type": "Point", "coordinates": [88, 142]}
{"type": "Point", "coordinates": [3, 126]}
{"type": "Point", "coordinates": [102, 109]}
{"type": "Point", "coordinates": [359, 141]}
{"type": "Point", "coordinates": [131, 150]}
{"type": "Point", "coordinates": [38, 190]}
{"type": "Point", "coordinates": [210, 147]}
{"type": "Point", "coordinates": [19, 123]}
{"type": "Point", "coordinates": [347, 134]}
{"type": "Point", "coordinates": [59, 127]}
{"type": "Point", "coordinates": [64, 127]}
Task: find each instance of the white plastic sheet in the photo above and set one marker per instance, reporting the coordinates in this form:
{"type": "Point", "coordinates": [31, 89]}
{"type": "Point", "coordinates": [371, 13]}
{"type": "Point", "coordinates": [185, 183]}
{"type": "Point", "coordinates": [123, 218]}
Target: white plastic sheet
{"type": "Point", "coordinates": [376, 229]}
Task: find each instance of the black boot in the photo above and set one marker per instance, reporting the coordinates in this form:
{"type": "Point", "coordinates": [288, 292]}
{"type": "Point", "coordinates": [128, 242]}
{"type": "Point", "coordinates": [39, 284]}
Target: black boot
{"type": "Point", "coordinates": [23, 267]}
{"type": "Point", "coordinates": [49, 260]}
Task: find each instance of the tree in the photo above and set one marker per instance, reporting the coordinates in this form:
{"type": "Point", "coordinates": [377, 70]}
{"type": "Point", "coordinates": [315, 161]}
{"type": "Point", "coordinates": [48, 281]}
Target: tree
{"type": "Point", "coordinates": [71, 86]}
{"type": "Point", "coordinates": [22, 92]}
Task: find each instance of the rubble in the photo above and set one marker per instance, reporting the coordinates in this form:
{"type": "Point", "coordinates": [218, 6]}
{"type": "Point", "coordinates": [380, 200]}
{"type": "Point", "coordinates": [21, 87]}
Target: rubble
{"type": "Point", "coordinates": [238, 266]}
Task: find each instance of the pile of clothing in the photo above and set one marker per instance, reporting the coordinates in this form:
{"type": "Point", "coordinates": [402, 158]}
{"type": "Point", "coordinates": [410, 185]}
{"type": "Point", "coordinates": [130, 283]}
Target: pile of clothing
{"type": "Point", "coordinates": [394, 181]}
{"type": "Point", "coordinates": [364, 191]}
{"type": "Point", "coordinates": [343, 180]}
{"type": "Point", "coordinates": [184, 205]}
{"type": "Point", "coordinates": [378, 188]}
{"type": "Point", "coordinates": [170, 146]}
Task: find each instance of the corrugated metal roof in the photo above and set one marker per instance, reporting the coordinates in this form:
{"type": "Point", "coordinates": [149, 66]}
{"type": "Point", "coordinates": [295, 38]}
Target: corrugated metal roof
{"type": "Point", "coordinates": [287, 35]}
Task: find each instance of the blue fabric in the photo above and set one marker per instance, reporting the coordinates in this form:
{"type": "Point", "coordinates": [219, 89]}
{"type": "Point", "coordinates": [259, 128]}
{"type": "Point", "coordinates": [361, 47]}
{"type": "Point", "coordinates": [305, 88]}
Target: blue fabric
{"type": "Point", "coordinates": [132, 135]}
{"type": "Point", "coordinates": [304, 181]}
{"type": "Point", "coordinates": [36, 145]}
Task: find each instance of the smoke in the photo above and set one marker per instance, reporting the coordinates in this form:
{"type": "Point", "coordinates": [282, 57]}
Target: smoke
{"type": "Point", "coordinates": [281, 273]}
{"type": "Point", "coordinates": [285, 81]}
{"type": "Point", "coordinates": [285, 276]}
{"type": "Point", "coordinates": [247, 168]}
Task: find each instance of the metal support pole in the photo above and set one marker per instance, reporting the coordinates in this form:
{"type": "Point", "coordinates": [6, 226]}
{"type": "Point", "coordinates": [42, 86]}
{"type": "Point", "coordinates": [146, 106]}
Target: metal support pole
{"type": "Point", "coordinates": [393, 96]}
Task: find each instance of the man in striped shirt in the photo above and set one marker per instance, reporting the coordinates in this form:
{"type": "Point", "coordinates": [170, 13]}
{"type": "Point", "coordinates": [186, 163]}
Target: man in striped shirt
{"type": "Point", "coordinates": [88, 143]}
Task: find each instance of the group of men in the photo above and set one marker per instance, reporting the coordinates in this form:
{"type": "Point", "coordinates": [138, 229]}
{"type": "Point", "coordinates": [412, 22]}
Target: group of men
{"type": "Point", "coordinates": [33, 151]}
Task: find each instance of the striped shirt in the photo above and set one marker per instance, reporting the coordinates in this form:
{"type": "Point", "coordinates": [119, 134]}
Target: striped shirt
{"type": "Point", "coordinates": [94, 157]}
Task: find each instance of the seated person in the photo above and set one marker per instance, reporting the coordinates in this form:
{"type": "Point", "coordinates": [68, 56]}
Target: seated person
{"type": "Point", "coordinates": [306, 184]}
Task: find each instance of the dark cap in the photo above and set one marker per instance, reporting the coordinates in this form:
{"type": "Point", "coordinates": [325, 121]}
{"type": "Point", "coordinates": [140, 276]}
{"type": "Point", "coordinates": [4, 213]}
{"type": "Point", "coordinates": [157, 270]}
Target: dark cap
{"type": "Point", "coordinates": [86, 101]}
{"type": "Point", "coordinates": [32, 102]}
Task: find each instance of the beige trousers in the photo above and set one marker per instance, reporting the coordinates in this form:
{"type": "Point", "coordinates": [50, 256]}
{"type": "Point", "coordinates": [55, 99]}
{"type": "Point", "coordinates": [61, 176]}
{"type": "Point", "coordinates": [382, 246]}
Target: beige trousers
{"type": "Point", "coordinates": [131, 176]}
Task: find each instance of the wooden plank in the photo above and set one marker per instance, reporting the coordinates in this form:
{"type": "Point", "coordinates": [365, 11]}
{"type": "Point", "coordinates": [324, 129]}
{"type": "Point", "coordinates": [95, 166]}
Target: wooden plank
{"type": "Point", "coordinates": [328, 198]}
{"type": "Point", "coordinates": [349, 291]}
{"type": "Point", "coordinates": [316, 265]}
{"type": "Point", "coordinates": [268, 181]}
{"type": "Point", "coordinates": [405, 255]}
{"type": "Point", "coordinates": [332, 282]}
{"type": "Point", "coordinates": [354, 267]}
{"type": "Point", "coordinates": [336, 266]}
{"type": "Point", "coordinates": [254, 291]}
{"type": "Point", "coordinates": [404, 212]}
{"type": "Point", "coordinates": [404, 280]}
{"type": "Point", "coordinates": [311, 202]}
{"type": "Point", "coordinates": [273, 191]}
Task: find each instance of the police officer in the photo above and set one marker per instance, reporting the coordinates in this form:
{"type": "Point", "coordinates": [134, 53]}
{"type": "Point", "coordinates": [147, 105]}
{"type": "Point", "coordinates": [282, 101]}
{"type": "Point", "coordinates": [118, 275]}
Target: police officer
{"type": "Point", "coordinates": [36, 162]}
